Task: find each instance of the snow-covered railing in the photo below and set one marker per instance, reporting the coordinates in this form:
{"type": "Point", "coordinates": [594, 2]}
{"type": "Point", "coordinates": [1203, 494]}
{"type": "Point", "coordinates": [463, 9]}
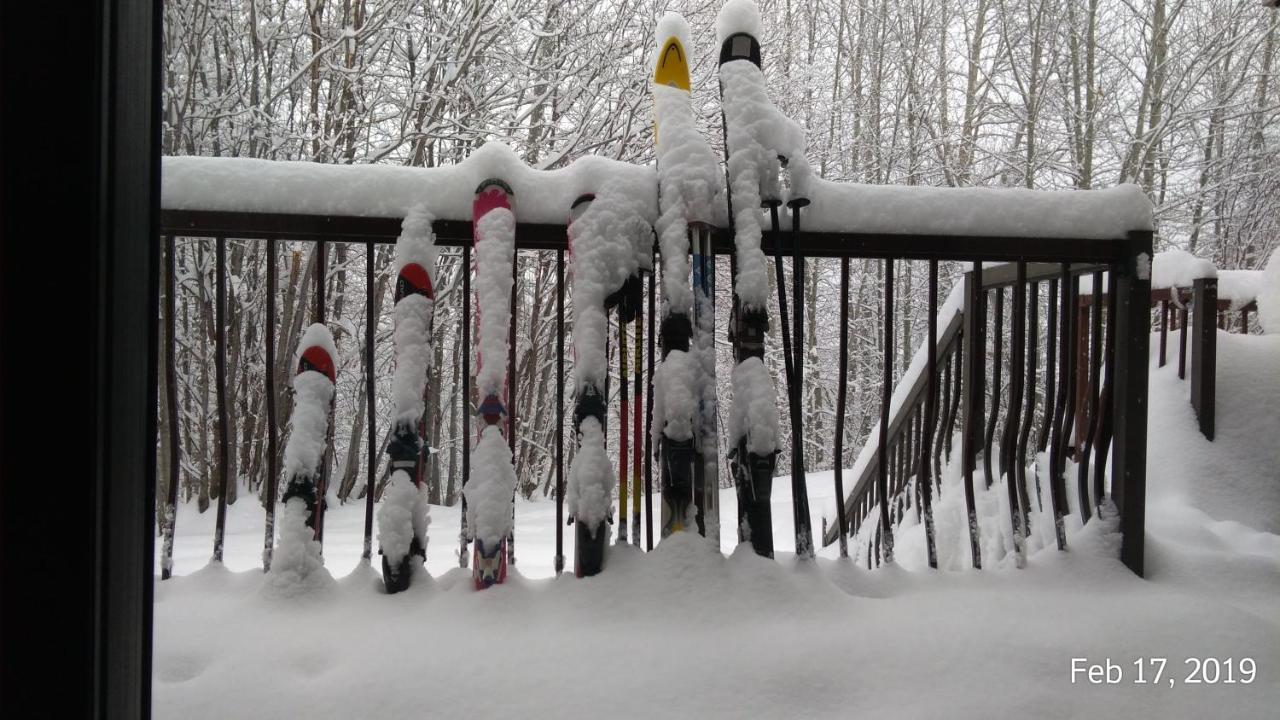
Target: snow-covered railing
{"type": "Point", "coordinates": [208, 209]}
{"type": "Point", "coordinates": [1190, 295]}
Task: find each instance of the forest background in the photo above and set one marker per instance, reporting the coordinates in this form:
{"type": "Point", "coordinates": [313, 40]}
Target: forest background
{"type": "Point", "coordinates": [1182, 97]}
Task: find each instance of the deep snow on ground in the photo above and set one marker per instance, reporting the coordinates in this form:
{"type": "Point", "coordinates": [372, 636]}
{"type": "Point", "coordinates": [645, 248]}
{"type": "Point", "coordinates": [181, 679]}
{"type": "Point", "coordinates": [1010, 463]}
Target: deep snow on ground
{"type": "Point", "coordinates": [691, 632]}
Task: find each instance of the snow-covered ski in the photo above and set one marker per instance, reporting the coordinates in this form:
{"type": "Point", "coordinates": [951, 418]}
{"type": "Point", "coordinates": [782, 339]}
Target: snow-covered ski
{"type": "Point", "coordinates": [490, 490]}
{"type": "Point", "coordinates": [297, 552]}
{"type": "Point", "coordinates": [605, 241]}
{"type": "Point", "coordinates": [403, 516]}
{"type": "Point", "coordinates": [758, 138]}
{"type": "Point", "coordinates": [687, 186]}
{"type": "Point", "coordinates": [753, 423]}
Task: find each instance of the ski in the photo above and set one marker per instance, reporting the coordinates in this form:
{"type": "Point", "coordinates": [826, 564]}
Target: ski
{"type": "Point", "coordinates": [687, 185]}
{"type": "Point", "coordinates": [758, 139]}
{"type": "Point", "coordinates": [636, 438]}
{"type": "Point", "coordinates": [605, 265]}
{"type": "Point", "coordinates": [707, 472]}
{"type": "Point", "coordinates": [490, 490]}
{"type": "Point", "coordinates": [403, 516]}
{"type": "Point", "coordinates": [297, 552]}
{"type": "Point", "coordinates": [624, 427]}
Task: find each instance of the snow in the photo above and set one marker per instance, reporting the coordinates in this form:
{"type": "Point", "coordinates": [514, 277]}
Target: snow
{"type": "Point", "coordinates": [297, 570]}
{"type": "Point", "coordinates": [402, 511]}
{"type": "Point", "coordinates": [607, 242]}
{"type": "Point", "coordinates": [605, 245]}
{"type": "Point", "coordinates": [671, 24]}
{"type": "Point", "coordinates": [688, 175]}
{"type": "Point", "coordinates": [674, 396]}
{"type": "Point", "coordinates": [495, 253]}
{"type": "Point", "coordinates": [995, 212]}
{"type": "Point", "coordinates": [755, 409]}
{"type": "Point", "coordinates": [591, 477]}
{"type": "Point", "coordinates": [1179, 268]}
{"type": "Point", "coordinates": [762, 638]}
{"type": "Point", "coordinates": [1236, 477]}
{"type": "Point", "coordinates": [490, 488]}
{"type": "Point", "coordinates": [1241, 287]}
{"type": "Point", "coordinates": [391, 191]}
{"type": "Point", "coordinates": [413, 320]}
{"type": "Point", "coordinates": [1269, 296]}
{"type": "Point", "coordinates": [737, 16]}
{"type": "Point", "coordinates": [316, 334]}
{"type": "Point", "coordinates": [493, 478]}
{"type": "Point", "coordinates": [757, 638]}
{"type": "Point", "coordinates": [309, 423]}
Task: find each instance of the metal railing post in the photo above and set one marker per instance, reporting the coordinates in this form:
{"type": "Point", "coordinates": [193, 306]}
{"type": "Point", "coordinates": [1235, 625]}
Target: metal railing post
{"type": "Point", "coordinates": [1129, 474]}
{"type": "Point", "coordinates": [1204, 353]}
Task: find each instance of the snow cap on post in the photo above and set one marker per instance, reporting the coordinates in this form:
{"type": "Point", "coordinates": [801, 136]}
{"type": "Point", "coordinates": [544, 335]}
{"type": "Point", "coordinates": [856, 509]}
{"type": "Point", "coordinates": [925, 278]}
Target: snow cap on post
{"type": "Point", "coordinates": [1269, 296]}
{"type": "Point", "coordinates": [1179, 268]}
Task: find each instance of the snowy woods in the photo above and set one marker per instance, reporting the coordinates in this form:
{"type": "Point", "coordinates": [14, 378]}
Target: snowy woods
{"type": "Point", "coordinates": [1182, 97]}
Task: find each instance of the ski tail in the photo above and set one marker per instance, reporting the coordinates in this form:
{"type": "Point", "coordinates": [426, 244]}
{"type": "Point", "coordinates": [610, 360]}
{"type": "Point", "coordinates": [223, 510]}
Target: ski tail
{"type": "Point", "coordinates": [635, 426]}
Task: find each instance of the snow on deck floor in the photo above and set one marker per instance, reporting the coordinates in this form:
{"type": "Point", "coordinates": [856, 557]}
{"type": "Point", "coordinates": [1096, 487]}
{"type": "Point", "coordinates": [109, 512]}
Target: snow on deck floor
{"type": "Point", "coordinates": [691, 632]}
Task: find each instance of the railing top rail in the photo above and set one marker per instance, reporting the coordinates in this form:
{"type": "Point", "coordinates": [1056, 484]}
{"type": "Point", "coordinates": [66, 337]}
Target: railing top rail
{"type": "Point", "coordinates": [550, 236]}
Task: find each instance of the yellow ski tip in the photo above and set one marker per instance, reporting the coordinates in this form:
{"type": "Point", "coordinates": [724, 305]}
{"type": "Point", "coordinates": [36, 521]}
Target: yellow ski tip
{"type": "Point", "coordinates": [672, 67]}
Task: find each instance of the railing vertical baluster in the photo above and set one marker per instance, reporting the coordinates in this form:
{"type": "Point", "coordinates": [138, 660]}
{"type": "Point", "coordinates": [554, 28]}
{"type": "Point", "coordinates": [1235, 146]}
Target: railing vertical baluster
{"type": "Point", "coordinates": [1062, 417]}
{"type": "Point", "coordinates": [957, 395]}
{"type": "Point", "coordinates": [1204, 352]}
{"type": "Point", "coordinates": [1182, 341]}
{"type": "Point", "coordinates": [1244, 321]}
{"type": "Point", "coordinates": [1029, 390]}
{"type": "Point", "coordinates": [1129, 475]}
{"type": "Point", "coordinates": [648, 412]}
{"type": "Point", "coordinates": [882, 471]}
{"type": "Point", "coordinates": [1080, 373]}
{"type": "Point", "coordinates": [924, 480]}
{"type": "Point", "coordinates": [939, 427]}
{"type": "Point", "coordinates": [1017, 360]}
{"type": "Point", "coordinates": [370, 320]}
{"type": "Point", "coordinates": [914, 459]}
{"type": "Point", "coordinates": [465, 395]}
{"type": "Point", "coordinates": [220, 370]}
{"type": "Point", "coordinates": [842, 385]}
{"type": "Point", "coordinates": [559, 559]}
{"type": "Point", "coordinates": [974, 377]}
{"type": "Point", "coordinates": [1164, 326]}
{"type": "Point", "coordinates": [1091, 396]}
{"type": "Point", "coordinates": [799, 486]}
{"type": "Point", "coordinates": [1102, 433]}
{"type": "Point", "coordinates": [1052, 311]}
{"type": "Point", "coordinates": [996, 366]}
{"type": "Point", "coordinates": [171, 402]}
{"type": "Point", "coordinates": [273, 419]}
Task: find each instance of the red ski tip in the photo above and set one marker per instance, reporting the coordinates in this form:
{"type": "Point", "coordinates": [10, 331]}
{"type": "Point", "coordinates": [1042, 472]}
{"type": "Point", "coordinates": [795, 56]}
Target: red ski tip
{"type": "Point", "coordinates": [491, 195]}
{"type": "Point", "coordinates": [414, 280]}
{"type": "Point", "coordinates": [316, 359]}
